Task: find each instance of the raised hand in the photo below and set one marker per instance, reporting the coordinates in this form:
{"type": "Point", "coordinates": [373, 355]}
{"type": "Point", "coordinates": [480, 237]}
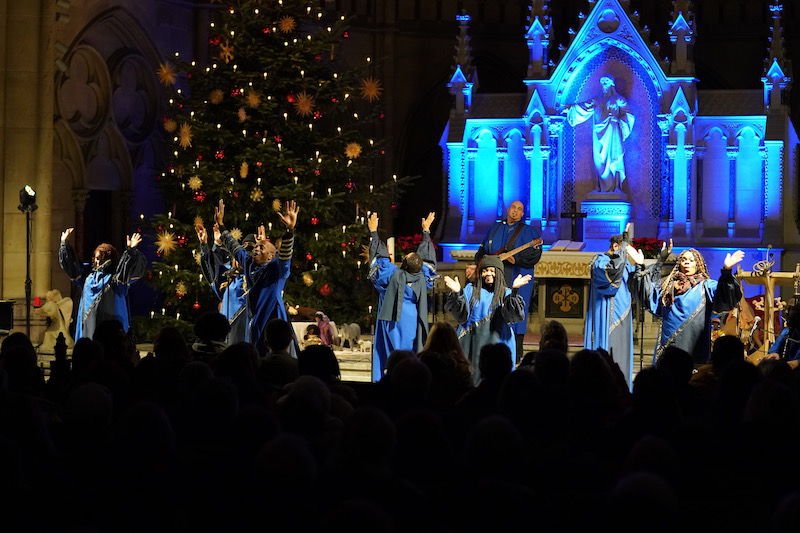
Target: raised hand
{"type": "Point", "coordinates": [469, 272]}
{"type": "Point", "coordinates": [66, 233]}
{"type": "Point", "coordinates": [289, 218]}
{"type": "Point", "coordinates": [202, 234]}
{"type": "Point", "coordinates": [261, 234]}
{"type": "Point", "coordinates": [217, 233]}
{"type": "Point", "coordinates": [133, 240]}
{"type": "Point", "coordinates": [637, 256]}
{"type": "Point", "coordinates": [427, 221]}
{"type": "Point", "coordinates": [452, 283]}
{"type": "Point", "coordinates": [372, 222]}
{"type": "Point", "coordinates": [521, 281]}
{"type": "Point", "coordinates": [665, 251]}
{"type": "Point", "coordinates": [733, 259]}
{"type": "Point", "coordinates": [219, 213]}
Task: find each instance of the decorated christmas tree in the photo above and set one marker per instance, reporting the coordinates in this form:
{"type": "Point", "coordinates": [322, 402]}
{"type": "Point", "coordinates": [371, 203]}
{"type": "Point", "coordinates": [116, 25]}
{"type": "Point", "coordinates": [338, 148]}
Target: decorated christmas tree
{"type": "Point", "coordinates": [274, 113]}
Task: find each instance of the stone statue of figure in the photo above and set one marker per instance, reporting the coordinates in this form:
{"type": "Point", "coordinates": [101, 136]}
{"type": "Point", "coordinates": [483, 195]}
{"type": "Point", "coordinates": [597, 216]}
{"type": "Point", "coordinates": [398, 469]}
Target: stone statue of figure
{"type": "Point", "coordinates": [59, 310]}
{"type": "Point", "coordinates": [612, 125]}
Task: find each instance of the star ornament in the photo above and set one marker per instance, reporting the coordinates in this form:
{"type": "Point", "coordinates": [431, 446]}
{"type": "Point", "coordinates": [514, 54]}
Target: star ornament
{"type": "Point", "coordinates": [181, 290]}
{"type": "Point", "coordinates": [287, 24]}
{"type": "Point", "coordinates": [166, 243]}
{"type": "Point", "coordinates": [185, 137]}
{"type": "Point", "coordinates": [216, 96]}
{"type": "Point", "coordinates": [253, 99]}
{"type": "Point", "coordinates": [195, 183]}
{"type": "Point", "coordinates": [170, 125]}
{"type": "Point", "coordinates": [242, 114]}
{"type": "Point", "coordinates": [371, 89]}
{"type": "Point", "coordinates": [226, 52]}
{"type": "Point", "coordinates": [352, 150]}
{"type": "Point", "coordinates": [256, 195]}
{"type": "Point", "coordinates": [304, 104]}
{"type": "Point", "coordinates": [236, 233]}
{"type": "Point", "coordinates": [166, 74]}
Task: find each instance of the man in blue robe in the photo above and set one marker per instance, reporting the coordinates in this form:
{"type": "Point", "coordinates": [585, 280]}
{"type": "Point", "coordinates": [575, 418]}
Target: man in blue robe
{"type": "Point", "coordinates": [402, 322]}
{"type": "Point", "coordinates": [226, 278]}
{"type": "Point", "coordinates": [104, 289]}
{"type": "Point", "coordinates": [264, 273]}
{"type": "Point", "coordinates": [787, 344]}
{"type": "Point", "coordinates": [485, 309]}
{"type": "Point", "coordinates": [502, 237]}
{"type": "Point", "coordinates": [609, 322]}
{"type": "Point", "coordinates": [686, 299]}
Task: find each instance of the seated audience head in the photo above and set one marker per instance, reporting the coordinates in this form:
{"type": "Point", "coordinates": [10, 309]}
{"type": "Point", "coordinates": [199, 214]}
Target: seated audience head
{"type": "Point", "coordinates": [554, 336]}
{"type": "Point", "coordinates": [678, 363]}
{"type": "Point", "coordinates": [169, 345]}
{"type": "Point", "coordinates": [319, 361]}
{"type": "Point", "coordinates": [212, 326]}
{"type": "Point", "coordinates": [551, 367]}
{"type": "Point", "coordinates": [727, 349]}
{"type": "Point", "coordinates": [495, 361]}
{"type": "Point", "coordinates": [278, 334]}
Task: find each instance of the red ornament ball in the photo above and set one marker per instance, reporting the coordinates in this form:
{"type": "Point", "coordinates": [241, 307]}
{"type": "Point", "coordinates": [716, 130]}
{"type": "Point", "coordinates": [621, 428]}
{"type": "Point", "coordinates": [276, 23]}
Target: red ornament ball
{"type": "Point", "coordinates": [266, 30]}
{"type": "Point", "coordinates": [394, 206]}
{"type": "Point", "coordinates": [309, 257]}
{"type": "Point", "coordinates": [325, 290]}
{"type": "Point", "coordinates": [219, 154]}
{"type": "Point", "coordinates": [314, 221]}
{"type": "Point", "coordinates": [318, 57]}
{"type": "Point", "coordinates": [199, 197]}
{"type": "Point", "coordinates": [259, 164]}
{"type": "Point", "coordinates": [343, 245]}
{"type": "Point", "coordinates": [346, 34]}
{"type": "Point", "coordinates": [291, 99]}
{"type": "Point", "coordinates": [196, 306]}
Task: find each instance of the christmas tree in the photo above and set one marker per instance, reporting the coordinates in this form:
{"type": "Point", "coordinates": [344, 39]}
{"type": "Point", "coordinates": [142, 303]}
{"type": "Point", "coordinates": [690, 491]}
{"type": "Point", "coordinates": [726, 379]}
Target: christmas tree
{"type": "Point", "coordinates": [274, 114]}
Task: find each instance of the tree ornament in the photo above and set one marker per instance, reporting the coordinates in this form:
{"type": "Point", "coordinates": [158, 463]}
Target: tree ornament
{"type": "Point", "coordinates": [165, 243]}
{"type": "Point", "coordinates": [314, 221]}
{"type": "Point", "coordinates": [244, 169]}
{"type": "Point", "coordinates": [287, 24]}
{"type": "Point", "coordinates": [196, 305]}
{"type": "Point", "coordinates": [291, 98]}
{"type": "Point", "coordinates": [304, 105]}
{"type": "Point", "coordinates": [256, 195]}
{"type": "Point", "coordinates": [180, 289]}
{"type": "Point", "coordinates": [226, 52]}
{"type": "Point", "coordinates": [185, 136]}
{"type": "Point", "coordinates": [308, 279]}
{"type": "Point", "coordinates": [276, 204]}
{"type": "Point", "coordinates": [236, 233]}
{"type": "Point", "coordinates": [219, 154]}
{"type": "Point", "coordinates": [242, 114]}
{"type": "Point", "coordinates": [309, 256]}
{"type": "Point", "coordinates": [350, 185]}
{"type": "Point", "coordinates": [195, 183]}
{"type": "Point", "coordinates": [199, 197]}
{"type": "Point", "coordinates": [325, 290]}
{"type": "Point", "coordinates": [371, 89]}
{"type": "Point", "coordinates": [198, 221]}
{"type": "Point", "coordinates": [216, 96]}
{"type": "Point", "coordinates": [253, 99]}
{"type": "Point", "coordinates": [166, 74]}
{"type": "Point", "coordinates": [352, 150]}
{"type": "Point", "coordinates": [170, 125]}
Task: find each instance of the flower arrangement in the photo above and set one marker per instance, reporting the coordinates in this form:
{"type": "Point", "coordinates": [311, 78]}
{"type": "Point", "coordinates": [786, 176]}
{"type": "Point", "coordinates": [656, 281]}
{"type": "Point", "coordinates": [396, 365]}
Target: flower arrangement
{"type": "Point", "coordinates": [649, 246]}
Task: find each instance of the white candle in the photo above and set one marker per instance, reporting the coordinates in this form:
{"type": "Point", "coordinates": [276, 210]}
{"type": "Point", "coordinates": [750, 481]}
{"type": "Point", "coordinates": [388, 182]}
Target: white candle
{"type": "Point", "coordinates": [329, 191]}
{"type": "Point", "coordinates": [316, 236]}
{"type": "Point", "coordinates": [358, 264]}
{"type": "Point", "coordinates": [163, 311]}
{"type": "Point", "coordinates": [390, 247]}
{"type": "Point", "coordinates": [344, 228]}
{"type": "Point", "coordinates": [152, 314]}
{"type": "Point", "coordinates": [177, 316]}
{"type": "Point", "coordinates": [270, 226]}
{"type": "Point", "coordinates": [344, 253]}
{"type": "Point", "coordinates": [315, 266]}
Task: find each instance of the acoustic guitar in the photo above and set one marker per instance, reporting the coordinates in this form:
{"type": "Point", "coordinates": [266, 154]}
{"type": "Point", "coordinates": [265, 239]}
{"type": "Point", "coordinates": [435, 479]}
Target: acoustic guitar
{"type": "Point", "coordinates": [518, 249]}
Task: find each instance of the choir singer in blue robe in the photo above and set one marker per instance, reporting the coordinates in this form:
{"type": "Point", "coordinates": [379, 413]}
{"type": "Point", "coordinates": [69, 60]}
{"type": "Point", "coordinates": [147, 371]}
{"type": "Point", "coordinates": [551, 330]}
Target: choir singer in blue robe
{"type": "Point", "coordinates": [402, 322]}
{"type": "Point", "coordinates": [104, 288]}
{"type": "Point", "coordinates": [609, 321]}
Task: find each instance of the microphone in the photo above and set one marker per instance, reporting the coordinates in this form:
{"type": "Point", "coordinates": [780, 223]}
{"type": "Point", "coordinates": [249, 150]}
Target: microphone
{"type": "Point", "coordinates": [755, 325]}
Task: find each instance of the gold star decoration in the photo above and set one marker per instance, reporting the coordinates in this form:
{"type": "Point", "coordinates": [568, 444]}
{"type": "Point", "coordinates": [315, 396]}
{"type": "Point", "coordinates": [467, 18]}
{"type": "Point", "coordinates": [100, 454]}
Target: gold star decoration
{"type": "Point", "coordinates": [166, 243]}
{"type": "Point", "coordinates": [308, 279]}
{"type": "Point", "coordinates": [197, 257]}
{"type": "Point", "coordinates": [166, 74]}
{"type": "Point", "coordinates": [242, 114]}
{"type": "Point", "coordinates": [253, 99]}
{"type": "Point", "coordinates": [352, 150]}
{"type": "Point", "coordinates": [304, 104]}
{"type": "Point", "coordinates": [256, 195]}
{"type": "Point", "coordinates": [287, 24]}
{"type": "Point", "coordinates": [244, 169]}
{"type": "Point", "coordinates": [216, 96]}
{"type": "Point", "coordinates": [181, 290]}
{"type": "Point", "coordinates": [170, 125]}
{"type": "Point", "coordinates": [198, 221]}
{"type": "Point", "coordinates": [195, 183]}
{"type": "Point", "coordinates": [236, 233]}
{"type": "Point", "coordinates": [276, 205]}
{"type": "Point", "coordinates": [226, 52]}
{"type": "Point", "coordinates": [371, 89]}
{"type": "Point", "coordinates": [185, 136]}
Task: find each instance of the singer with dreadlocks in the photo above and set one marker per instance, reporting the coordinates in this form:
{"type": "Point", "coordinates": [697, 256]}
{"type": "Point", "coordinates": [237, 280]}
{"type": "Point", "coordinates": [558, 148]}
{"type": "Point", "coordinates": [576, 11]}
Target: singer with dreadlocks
{"type": "Point", "coordinates": [402, 322]}
{"type": "Point", "coordinates": [486, 309]}
{"type": "Point", "coordinates": [226, 278]}
{"type": "Point", "coordinates": [104, 288]}
{"type": "Point", "coordinates": [686, 299]}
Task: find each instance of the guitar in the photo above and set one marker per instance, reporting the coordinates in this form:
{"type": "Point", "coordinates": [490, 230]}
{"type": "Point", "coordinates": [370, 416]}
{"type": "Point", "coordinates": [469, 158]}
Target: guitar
{"type": "Point", "coordinates": [518, 249]}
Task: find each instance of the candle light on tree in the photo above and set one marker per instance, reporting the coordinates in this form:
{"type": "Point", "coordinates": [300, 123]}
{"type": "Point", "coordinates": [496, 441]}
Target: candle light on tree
{"type": "Point", "coordinates": [315, 266]}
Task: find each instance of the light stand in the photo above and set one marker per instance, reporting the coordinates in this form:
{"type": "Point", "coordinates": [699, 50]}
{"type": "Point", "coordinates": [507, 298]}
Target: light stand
{"type": "Point", "coordinates": [27, 204]}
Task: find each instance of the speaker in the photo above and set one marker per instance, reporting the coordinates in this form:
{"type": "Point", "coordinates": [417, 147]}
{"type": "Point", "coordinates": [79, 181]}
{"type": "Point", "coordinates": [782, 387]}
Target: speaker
{"type": "Point", "coordinates": [6, 316]}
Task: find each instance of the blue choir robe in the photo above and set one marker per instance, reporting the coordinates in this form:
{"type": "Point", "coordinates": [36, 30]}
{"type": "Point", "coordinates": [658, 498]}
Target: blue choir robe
{"type": "Point", "coordinates": [787, 345]}
{"type": "Point", "coordinates": [266, 283]}
{"type": "Point", "coordinates": [609, 322]}
{"type": "Point", "coordinates": [686, 323]}
{"type": "Point", "coordinates": [104, 290]}
{"type": "Point", "coordinates": [228, 288]}
{"type": "Point", "coordinates": [481, 325]}
{"type": "Point", "coordinates": [496, 242]}
{"type": "Point", "coordinates": [410, 330]}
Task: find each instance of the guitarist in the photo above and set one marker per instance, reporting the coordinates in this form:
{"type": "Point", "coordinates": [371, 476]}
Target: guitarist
{"type": "Point", "coordinates": [503, 236]}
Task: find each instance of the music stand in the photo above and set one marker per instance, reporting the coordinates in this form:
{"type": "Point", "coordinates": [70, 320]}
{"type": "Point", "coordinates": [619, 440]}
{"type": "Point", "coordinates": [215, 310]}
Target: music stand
{"type": "Point", "coordinates": [27, 204]}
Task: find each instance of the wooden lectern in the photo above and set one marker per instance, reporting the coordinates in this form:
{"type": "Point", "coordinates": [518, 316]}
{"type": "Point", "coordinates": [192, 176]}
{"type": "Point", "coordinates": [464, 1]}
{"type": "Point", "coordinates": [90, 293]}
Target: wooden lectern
{"type": "Point", "coordinates": [763, 275]}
